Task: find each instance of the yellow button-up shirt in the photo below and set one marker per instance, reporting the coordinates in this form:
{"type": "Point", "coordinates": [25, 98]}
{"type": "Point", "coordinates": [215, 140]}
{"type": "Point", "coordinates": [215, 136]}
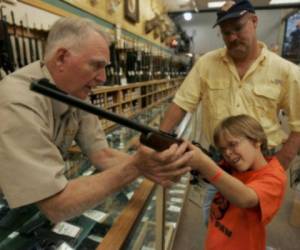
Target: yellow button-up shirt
{"type": "Point", "coordinates": [270, 84]}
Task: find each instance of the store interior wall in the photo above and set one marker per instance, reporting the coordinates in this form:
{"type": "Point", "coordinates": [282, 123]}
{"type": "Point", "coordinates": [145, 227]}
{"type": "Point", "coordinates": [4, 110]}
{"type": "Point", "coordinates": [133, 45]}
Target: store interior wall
{"type": "Point", "coordinates": [113, 12]}
{"type": "Point", "coordinates": [32, 17]}
{"type": "Point", "coordinates": [205, 38]}
{"type": "Point", "coordinates": [102, 13]}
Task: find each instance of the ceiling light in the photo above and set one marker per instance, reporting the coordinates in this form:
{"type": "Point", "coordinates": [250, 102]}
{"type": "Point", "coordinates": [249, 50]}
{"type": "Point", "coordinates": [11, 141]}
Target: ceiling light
{"type": "Point", "coordinates": [284, 1]}
{"type": "Point", "coordinates": [187, 16]}
{"type": "Point", "coordinates": [215, 4]}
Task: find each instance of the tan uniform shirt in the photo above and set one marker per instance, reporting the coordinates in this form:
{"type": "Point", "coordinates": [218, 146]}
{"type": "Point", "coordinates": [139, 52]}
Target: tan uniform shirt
{"type": "Point", "coordinates": [35, 134]}
{"type": "Point", "coordinates": [270, 84]}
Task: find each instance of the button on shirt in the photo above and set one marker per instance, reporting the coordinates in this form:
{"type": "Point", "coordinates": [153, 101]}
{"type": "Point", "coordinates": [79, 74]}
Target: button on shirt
{"type": "Point", "coordinates": [270, 84]}
{"type": "Point", "coordinates": [35, 135]}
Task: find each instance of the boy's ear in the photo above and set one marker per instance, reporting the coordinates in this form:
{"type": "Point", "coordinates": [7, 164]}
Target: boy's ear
{"type": "Point", "coordinates": [257, 144]}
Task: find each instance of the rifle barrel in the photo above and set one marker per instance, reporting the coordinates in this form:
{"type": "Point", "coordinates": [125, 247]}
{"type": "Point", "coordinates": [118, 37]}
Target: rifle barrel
{"type": "Point", "coordinates": [17, 45]}
{"type": "Point", "coordinates": [43, 86]}
{"type": "Point", "coordinates": [23, 44]}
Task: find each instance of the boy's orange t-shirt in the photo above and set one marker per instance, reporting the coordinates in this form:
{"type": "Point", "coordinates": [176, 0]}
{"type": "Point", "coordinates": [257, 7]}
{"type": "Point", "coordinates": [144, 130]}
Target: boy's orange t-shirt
{"type": "Point", "coordinates": [234, 228]}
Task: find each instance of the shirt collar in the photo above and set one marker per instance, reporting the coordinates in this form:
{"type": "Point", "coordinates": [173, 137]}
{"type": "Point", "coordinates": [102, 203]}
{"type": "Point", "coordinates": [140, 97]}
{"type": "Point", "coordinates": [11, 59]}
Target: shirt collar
{"type": "Point", "coordinates": [261, 58]}
{"type": "Point", "coordinates": [59, 108]}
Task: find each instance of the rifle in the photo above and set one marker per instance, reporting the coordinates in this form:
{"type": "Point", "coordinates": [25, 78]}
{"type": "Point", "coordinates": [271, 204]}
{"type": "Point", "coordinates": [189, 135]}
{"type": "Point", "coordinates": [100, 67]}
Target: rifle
{"type": "Point", "coordinates": [23, 44]}
{"type": "Point", "coordinates": [36, 46]}
{"type": "Point", "coordinates": [30, 40]}
{"type": "Point", "coordinates": [6, 53]}
{"type": "Point", "coordinates": [155, 139]}
{"type": "Point", "coordinates": [17, 44]}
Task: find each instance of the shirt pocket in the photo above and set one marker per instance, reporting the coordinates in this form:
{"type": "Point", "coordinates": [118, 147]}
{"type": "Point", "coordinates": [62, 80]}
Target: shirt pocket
{"type": "Point", "coordinates": [218, 98]}
{"type": "Point", "coordinates": [69, 132]}
{"type": "Point", "coordinates": [266, 97]}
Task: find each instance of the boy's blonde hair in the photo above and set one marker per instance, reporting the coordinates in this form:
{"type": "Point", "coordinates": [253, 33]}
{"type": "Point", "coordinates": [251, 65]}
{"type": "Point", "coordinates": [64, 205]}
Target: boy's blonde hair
{"type": "Point", "coordinates": [241, 126]}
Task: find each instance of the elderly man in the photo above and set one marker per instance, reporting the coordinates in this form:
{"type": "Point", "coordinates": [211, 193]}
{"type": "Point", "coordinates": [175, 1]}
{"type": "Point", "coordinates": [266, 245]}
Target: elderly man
{"type": "Point", "coordinates": [38, 131]}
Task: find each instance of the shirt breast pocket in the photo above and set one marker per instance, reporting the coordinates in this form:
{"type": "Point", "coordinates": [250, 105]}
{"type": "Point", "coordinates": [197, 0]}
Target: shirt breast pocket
{"type": "Point", "coordinates": [218, 98]}
{"type": "Point", "coordinates": [69, 134]}
{"type": "Point", "coordinates": [267, 96]}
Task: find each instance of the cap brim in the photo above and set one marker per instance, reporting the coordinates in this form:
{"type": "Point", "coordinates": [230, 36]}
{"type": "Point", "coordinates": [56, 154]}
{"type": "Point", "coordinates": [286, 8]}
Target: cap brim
{"type": "Point", "coordinates": [228, 16]}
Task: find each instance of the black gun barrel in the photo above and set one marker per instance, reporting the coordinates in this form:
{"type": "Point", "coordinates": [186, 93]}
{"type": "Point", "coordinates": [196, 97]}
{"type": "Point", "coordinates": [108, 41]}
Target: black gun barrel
{"type": "Point", "coordinates": [43, 86]}
{"type": "Point", "coordinates": [17, 44]}
{"type": "Point", "coordinates": [23, 44]}
{"type": "Point", "coordinates": [6, 52]}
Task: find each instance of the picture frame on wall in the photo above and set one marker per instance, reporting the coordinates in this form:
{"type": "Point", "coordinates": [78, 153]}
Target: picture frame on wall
{"type": "Point", "coordinates": [291, 42]}
{"type": "Point", "coordinates": [132, 10]}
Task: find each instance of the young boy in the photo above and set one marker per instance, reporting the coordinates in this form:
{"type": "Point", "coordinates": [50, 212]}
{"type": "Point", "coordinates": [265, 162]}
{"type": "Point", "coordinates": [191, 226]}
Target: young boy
{"type": "Point", "coordinates": [250, 196]}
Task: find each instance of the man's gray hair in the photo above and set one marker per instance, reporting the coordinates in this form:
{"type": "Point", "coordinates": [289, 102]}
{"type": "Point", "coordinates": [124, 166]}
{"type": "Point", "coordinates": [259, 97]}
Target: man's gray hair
{"type": "Point", "coordinates": [71, 32]}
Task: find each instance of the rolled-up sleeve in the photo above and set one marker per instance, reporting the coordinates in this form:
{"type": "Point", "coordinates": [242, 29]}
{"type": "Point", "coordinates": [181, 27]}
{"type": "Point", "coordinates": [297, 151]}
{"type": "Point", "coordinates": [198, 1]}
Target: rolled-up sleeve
{"type": "Point", "coordinates": [90, 136]}
{"type": "Point", "coordinates": [292, 100]}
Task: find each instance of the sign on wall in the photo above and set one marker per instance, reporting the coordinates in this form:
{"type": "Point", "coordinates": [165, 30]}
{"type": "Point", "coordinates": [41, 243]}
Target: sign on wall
{"type": "Point", "coordinates": [291, 43]}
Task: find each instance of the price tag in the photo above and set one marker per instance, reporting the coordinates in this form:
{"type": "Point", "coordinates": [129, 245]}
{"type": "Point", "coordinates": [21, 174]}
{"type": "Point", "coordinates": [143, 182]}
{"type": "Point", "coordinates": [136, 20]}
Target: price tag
{"type": "Point", "coordinates": [95, 238]}
{"type": "Point", "coordinates": [65, 228]}
{"type": "Point", "coordinates": [123, 81]}
{"type": "Point", "coordinates": [96, 215]}
{"type": "Point", "coordinates": [179, 185]}
{"type": "Point", "coordinates": [147, 248]}
{"type": "Point", "coordinates": [172, 224]}
{"type": "Point", "coordinates": [175, 209]}
{"type": "Point", "coordinates": [64, 246]}
{"type": "Point", "coordinates": [13, 235]}
{"type": "Point", "coordinates": [176, 200]}
{"type": "Point", "coordinates": [140, 180]}
{"type": "Point", "coordinates": [129, 195]}
{"type": "Point", "coordinates": [146, 218]}
{"type": "Point", "coordinates": [176, 191]}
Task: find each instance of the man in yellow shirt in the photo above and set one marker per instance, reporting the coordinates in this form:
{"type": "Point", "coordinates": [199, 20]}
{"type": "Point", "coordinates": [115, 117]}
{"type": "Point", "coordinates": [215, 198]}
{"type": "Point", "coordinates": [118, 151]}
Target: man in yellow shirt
{"type": "Point", "coordinates": [243, 78]}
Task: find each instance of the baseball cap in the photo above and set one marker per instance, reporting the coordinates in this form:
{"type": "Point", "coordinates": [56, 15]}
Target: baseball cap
{"type": "Point", "coordinates": [233, 9]}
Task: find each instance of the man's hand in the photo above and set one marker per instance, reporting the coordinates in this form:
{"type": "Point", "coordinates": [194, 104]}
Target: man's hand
{"type": "Point", "coordinates": [163, 167]}
{"type": "Point", "coordinates": [289, 149]}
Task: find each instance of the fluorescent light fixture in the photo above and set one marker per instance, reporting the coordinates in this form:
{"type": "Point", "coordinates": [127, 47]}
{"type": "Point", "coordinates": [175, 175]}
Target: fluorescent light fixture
{"type": "Point", "coordinates": [187, 16]}
{"type": "Point", "coordinates": [215, 4]}
{"type": "Point", "coordinates": [284, 1]}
